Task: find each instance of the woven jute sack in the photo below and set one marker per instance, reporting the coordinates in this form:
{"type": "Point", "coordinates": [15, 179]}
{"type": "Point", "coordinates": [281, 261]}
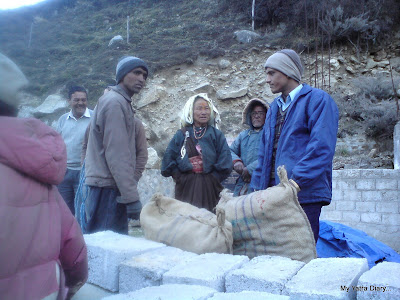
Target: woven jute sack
{"type": "Point", "coordinates": [187, 227]}
{"type": "Point", "coordinates": [270, 222]}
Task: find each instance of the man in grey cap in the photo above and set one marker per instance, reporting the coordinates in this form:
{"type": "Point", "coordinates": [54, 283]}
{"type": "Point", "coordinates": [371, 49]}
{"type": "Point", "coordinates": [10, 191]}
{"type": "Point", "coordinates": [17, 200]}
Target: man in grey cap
{"type": "Point", "coordinates": [116, 152]}
{"type": "Point", "coordinates": [299, 133]}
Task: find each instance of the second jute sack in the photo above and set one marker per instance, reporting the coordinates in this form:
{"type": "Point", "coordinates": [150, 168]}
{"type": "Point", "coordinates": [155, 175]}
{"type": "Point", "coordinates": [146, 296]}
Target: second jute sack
{"type": "Point", "coordinates": [187, 227]}
{"type": "Point", "coordinates": [270, 222]}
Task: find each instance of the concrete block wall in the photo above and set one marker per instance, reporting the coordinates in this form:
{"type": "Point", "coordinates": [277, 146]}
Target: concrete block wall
{"type": "Point", "coordinates": [368, 200]}
{"type": "Point", "coordinates": [222, 276]}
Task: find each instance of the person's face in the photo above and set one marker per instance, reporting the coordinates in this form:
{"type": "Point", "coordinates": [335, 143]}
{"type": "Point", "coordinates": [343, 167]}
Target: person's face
{"type": "Point", "coordinates": [278, 82]}
{"type": "Point", "coordinates": [201, 112]}
{"type": "Point", "coordinates": [78, 103]}
{"type": "Point", "coordinates": [135, 80]}
{"type": "Point", "coordinates": [258, 116]}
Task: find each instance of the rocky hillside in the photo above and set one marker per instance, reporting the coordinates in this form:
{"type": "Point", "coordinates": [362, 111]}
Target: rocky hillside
{"type": "Point", "coordinates": [219, 60]}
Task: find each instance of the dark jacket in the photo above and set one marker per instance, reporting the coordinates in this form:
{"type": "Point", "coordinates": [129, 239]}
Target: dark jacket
{"type": "Point", "coordinates": [217, 158]}
{"type": "Point", "coordinates": [306, 145]}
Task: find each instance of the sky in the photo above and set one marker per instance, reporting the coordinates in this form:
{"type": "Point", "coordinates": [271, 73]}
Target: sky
{"type": "Point", "coordinates": [10, 4]}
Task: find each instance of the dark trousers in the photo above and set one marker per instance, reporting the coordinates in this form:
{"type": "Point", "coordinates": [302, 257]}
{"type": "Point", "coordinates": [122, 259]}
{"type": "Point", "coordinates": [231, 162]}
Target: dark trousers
{"type": "Point", "coordinates": [313, 211]}
{"type": "Point", "coordinates": [103, 212]}
{"type": "Point", "coordinates": [69, 186]}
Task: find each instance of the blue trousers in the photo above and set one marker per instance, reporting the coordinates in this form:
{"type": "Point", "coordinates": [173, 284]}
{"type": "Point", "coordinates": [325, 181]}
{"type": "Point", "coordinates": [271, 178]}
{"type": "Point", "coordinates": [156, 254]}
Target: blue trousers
{"type": "Point", "coordinates": [103, 212]}
{"type": "Point", "coordinates": [68, 187]}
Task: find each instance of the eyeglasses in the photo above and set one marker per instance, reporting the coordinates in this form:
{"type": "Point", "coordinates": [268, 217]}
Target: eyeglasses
{"type": "Point", "coordinates": [258, 113]}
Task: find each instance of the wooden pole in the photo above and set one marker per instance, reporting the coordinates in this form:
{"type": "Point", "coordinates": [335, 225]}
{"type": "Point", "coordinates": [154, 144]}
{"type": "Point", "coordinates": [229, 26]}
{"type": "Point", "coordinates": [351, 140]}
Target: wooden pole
{"type": "Point", "coordinates": [30, 36]}
{"type": "Point", "coordinates": [127, 29]}
{"type": "Point", "coordinates": [252, 14]}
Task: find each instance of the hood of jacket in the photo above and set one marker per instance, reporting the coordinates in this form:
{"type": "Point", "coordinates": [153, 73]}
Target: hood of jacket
{"type": "Point", "coordinates": [246, 117]}
{"type": "Point", "coordinates": [32, 148]}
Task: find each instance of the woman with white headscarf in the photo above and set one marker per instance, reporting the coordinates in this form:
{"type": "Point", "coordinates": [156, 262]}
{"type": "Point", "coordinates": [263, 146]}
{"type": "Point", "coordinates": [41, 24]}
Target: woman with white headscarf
{"type": "Point", "coordinates": [198, 157]}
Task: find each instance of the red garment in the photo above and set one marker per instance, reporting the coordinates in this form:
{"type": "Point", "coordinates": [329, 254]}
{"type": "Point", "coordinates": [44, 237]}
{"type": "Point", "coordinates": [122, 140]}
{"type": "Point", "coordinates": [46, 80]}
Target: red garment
{"type": "Point", "coordinates": [197, 163]}
{"type": "Point", "coordinates": [37, 229]}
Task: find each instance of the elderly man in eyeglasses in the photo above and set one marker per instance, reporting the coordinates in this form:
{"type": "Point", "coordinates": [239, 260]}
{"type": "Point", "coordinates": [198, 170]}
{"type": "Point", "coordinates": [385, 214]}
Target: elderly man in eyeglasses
{"type": "Point", "coordinates": [72, 126]}
{"type": "Point", "coordinates": [244, 149]}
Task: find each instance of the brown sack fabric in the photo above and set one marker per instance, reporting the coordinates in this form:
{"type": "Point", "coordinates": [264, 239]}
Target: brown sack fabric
{"type": "Point", "coordinates": [184, 226]}
{"type": "Point", "coordinates": [270, 222]}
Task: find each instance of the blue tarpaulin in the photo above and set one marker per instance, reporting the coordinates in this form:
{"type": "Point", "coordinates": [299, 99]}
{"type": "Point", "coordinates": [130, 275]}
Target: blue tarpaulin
{"type": "Point", "coordinates": [338, 240]}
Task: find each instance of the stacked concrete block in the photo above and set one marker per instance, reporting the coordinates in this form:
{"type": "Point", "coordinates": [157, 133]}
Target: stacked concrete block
{"type": "Point", "coordinates": [107, 250]}
{"type": "Point", "coordinates": [381, 282]}
{"type": "Point", "coordinates": [167, 292]}
{"type": "Point", "coordinates": [248, 295]}
{"type": "Point", "coordinates": [368, 200]}
{"type": "Point", "coordinates": [263, 273]}
{"type": "Point", "coordinates": [207, 269]}
{"type": "Point", "coordinates": [327, 278]}
{"type": "Point", "coordinates": [148, 268]}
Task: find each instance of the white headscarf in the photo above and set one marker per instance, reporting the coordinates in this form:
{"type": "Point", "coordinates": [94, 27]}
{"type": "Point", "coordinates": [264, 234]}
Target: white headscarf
{"type": "Point", "coordinates": [187, 111]}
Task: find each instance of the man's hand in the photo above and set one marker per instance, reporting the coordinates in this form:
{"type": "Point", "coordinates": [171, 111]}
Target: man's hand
{"type": "Point", "coordinates": [246, 175]}
{"type": "Point", "coordinates": [238, 167]}
{"type": "Point", "coordinates": [133, 210]}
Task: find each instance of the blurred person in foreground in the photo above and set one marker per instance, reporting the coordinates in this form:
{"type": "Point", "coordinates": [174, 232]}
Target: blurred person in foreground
{"type": "Point", "coordinates": [244, 148]}
{"type": "Point", "coordinates": [42, 251]}
{"type": "Point", "coordinates": [198, 157]}
{"type": "Point", "coordinates": [116, 153]}
{"type": "Point", "coordinates": [299, 133]}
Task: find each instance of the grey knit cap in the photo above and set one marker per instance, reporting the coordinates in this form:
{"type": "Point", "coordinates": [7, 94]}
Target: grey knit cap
{"type": "Point", "coordinates": [286, 61]}
{"type": "Point", "coordinates": [127, 64]}
{"type": "Point", "coordinates": [12, 80]}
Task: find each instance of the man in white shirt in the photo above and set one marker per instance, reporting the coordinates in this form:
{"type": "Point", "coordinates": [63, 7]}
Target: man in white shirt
{"type": "Point", "coordinates": [72, 127]}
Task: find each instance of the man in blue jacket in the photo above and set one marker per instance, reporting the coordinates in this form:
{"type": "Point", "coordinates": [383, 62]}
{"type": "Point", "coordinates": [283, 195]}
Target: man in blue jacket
{"type": "Point", "coordinates": [299, 133]}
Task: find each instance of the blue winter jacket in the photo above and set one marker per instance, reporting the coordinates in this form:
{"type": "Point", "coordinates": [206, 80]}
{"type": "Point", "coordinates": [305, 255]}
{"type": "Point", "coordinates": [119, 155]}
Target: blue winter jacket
{"type": "Point", "coordinates": [306, 145]}
{"type": "Point", "coordinates": [245, 146]}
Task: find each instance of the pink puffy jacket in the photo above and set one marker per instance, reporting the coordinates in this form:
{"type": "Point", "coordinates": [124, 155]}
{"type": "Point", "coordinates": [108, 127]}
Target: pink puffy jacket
{"type": "Point", "coordinates": [37, 230]}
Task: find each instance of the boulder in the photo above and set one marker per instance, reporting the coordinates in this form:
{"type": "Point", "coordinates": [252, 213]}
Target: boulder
{"type": "Point", "coordinates": [204, 87]}
{"type": "Point", "coordinates": [370, 64]}
{"type": "Point", "coordinates": [116, 40]}
{"type": "Point", "coordinates": [224, 63]}
{"type": "Point", "coordinates": [154, 161]}
{"type": "Point", "coordinates": [51, 105]}
{"type": "Point", "coordinates": [334, 64]}
{"type": "Point", "coordinates": [246, 36]}
{"type": "Point", "coordinates": [231, 93]}
{"type": "Point", "coordinates": [154, 94]}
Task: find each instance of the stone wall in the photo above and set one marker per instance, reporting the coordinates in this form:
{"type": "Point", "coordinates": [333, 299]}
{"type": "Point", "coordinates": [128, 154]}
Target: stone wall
{"type": "Point", "coordinates": [368, 200]}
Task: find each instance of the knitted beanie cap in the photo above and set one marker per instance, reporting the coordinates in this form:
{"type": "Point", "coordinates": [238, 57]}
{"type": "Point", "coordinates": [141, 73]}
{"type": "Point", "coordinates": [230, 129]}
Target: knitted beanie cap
{"type": "Point", "coordinates": [286, 61]}
{"type": "Point", "coordinates": [127, 64]}
{"type": "Point", "coordinates": [12, 80]}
